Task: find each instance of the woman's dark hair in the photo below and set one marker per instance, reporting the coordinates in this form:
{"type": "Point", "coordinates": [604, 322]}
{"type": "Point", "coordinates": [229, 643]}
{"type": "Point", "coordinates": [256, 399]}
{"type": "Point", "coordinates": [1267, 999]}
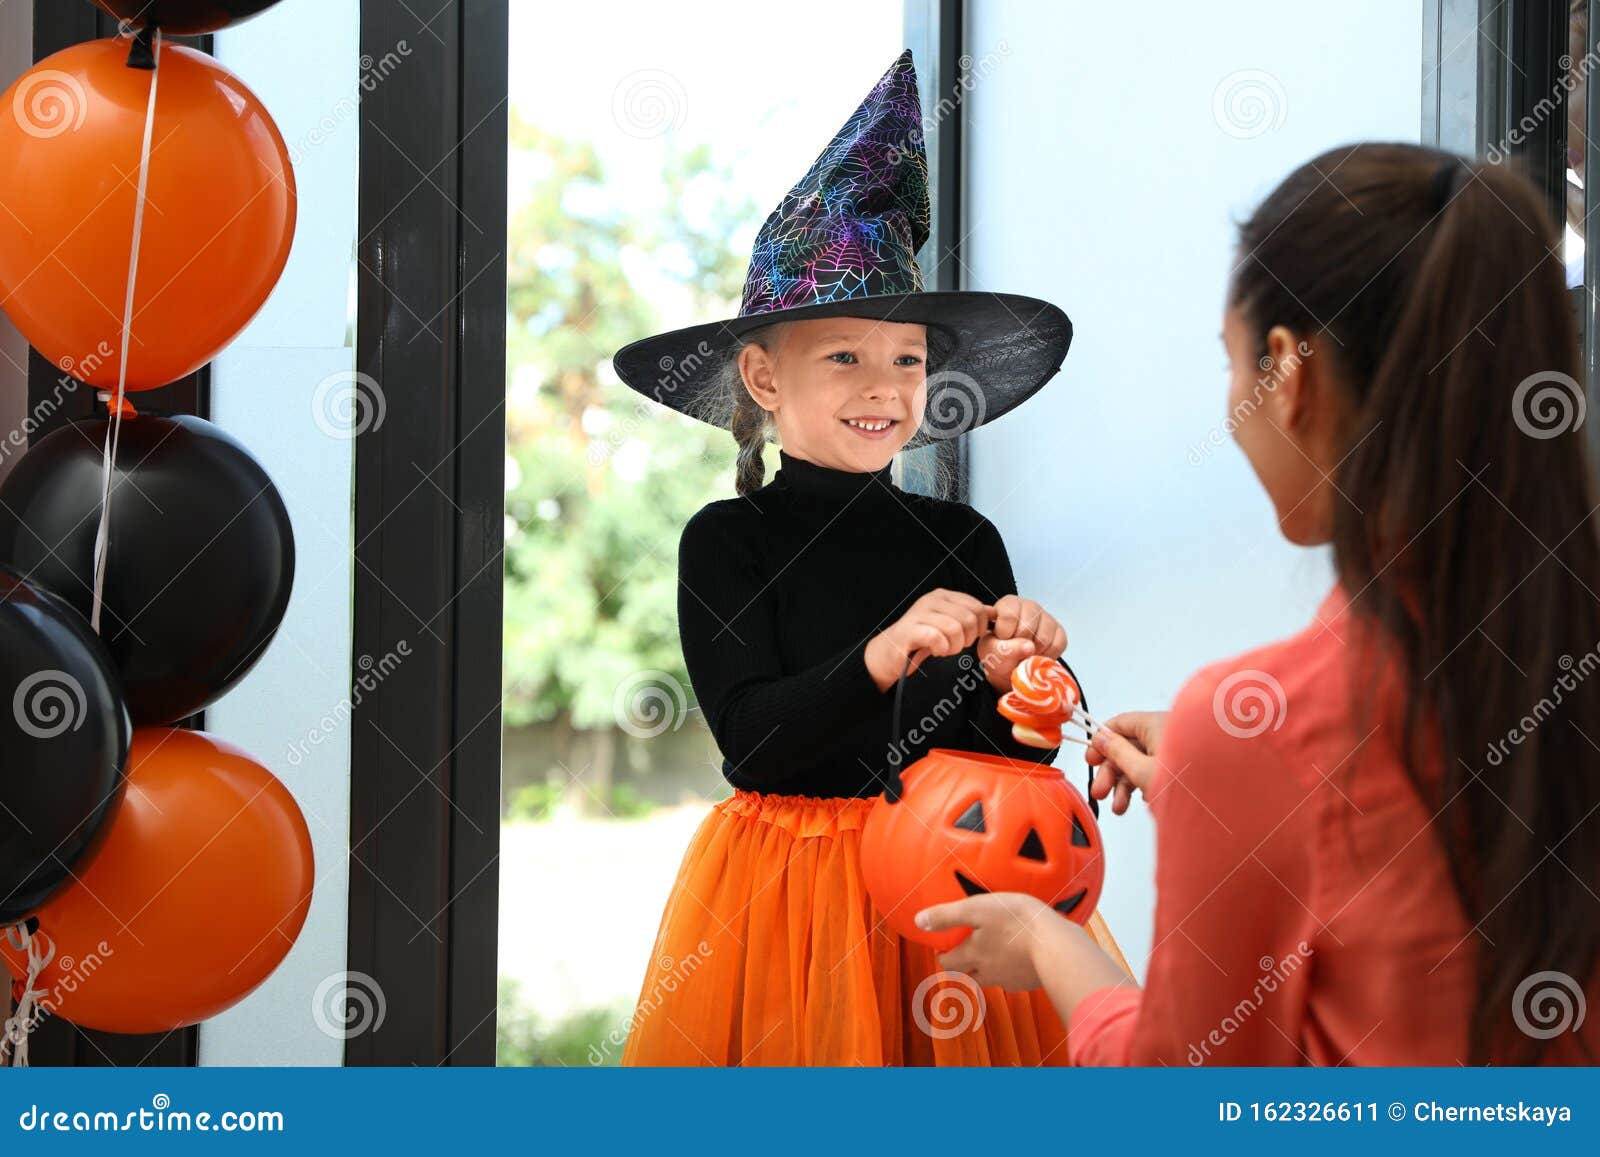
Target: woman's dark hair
{"type": "Point", "coordinates": [1464, 523]}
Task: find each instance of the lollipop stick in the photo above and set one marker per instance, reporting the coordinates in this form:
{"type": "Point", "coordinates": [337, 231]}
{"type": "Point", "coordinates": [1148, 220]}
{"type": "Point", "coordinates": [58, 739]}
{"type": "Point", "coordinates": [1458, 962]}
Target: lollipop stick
{"type": "Point", "coordinates": [1079, 724]}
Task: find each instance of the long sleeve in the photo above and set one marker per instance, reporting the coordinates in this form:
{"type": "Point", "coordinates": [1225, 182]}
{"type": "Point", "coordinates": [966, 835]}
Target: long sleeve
{"type": "Point", "coordinates": [728, 627]}
{"type": "Point", "coordinates": [779, 594]}
{"type": "Point", "coordinates": [1236, 837]}
{"type": "Point", "coordinates": [987, 561]}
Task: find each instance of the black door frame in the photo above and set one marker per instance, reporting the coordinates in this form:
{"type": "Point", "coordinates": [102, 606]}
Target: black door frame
{"type": "Point", "coordinates": [1494, 87]}
{"type": "Point", "coordinates": [1527, 82]}
{"type": "Point", "coordinates": [935, 30]}
{"type": "Point", "coordinates": [429, 530]}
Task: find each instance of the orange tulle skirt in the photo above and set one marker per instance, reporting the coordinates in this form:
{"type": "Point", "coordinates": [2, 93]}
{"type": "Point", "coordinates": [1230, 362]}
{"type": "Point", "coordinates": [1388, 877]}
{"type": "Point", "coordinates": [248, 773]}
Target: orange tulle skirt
{"type": "Point", "coordinates": [771, 953]}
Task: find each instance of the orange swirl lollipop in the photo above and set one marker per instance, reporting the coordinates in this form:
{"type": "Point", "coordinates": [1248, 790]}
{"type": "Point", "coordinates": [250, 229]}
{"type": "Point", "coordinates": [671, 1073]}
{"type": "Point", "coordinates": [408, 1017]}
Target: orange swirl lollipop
{"type": "Point", "coordinates": [1044, 698]}
{"type": "Point", "coordinates": [1027, 726]}
{"type": "Point", "coordinates": [1044, 685]}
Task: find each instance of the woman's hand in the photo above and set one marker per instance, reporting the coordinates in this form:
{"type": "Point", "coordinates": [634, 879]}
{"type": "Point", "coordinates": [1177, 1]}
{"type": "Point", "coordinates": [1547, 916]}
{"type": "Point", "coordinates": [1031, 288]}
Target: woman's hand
{"type": "Point", "coordinates": [1021, 628]}
{"type": "Point", "coordinates": [940, 623]}
{"type": "Point", "coordinates": [1000, 949]}
{"type": "Point", "coordinates": [1124, 749]}
{"type": "Point", "coordinates": [1018, 943]}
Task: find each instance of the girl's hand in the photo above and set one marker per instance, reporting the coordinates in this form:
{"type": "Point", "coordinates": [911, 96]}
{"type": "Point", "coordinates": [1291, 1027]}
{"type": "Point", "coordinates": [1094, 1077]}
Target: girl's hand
{"type": "Point", "coordinates": [940, 623]}
{"type": "Point", "coordinates": [1124, 749]}
{"type": "Point", "coordinates": [1021, 628]}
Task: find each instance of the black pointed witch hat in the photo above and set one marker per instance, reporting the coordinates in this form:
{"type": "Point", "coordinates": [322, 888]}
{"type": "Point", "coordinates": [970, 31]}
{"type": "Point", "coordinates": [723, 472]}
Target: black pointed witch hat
{"type": "Point", "coordinates": [843, 243]}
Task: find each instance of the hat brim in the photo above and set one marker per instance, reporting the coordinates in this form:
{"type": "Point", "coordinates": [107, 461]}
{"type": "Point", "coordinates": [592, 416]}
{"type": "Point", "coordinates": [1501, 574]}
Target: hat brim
{"type": "Point", "coordinates": [1003, 347]}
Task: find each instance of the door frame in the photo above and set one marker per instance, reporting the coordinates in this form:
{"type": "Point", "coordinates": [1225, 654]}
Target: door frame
{"type": "Point", "coordinates": [936, 33]}
{"type": "Point", "coordinates": [429, 532]}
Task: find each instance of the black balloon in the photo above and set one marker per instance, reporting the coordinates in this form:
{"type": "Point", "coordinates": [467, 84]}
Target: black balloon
{"type": "Point", "coordinates": [64, 735]}
{"type": "Point", "coordinates": [201, 557]}
{"type": "Point", "coordinates": [184, 17]}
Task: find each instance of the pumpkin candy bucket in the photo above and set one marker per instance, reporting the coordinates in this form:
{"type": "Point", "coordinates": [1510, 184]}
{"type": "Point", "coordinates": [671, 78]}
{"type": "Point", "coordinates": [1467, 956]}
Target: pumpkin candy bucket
{"type": "Point", "coordinates": [958, 824]}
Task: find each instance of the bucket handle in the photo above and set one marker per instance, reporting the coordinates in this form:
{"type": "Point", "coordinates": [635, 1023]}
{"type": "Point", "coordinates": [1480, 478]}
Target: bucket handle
{"type": "Point", "coordinates": [895, 788]}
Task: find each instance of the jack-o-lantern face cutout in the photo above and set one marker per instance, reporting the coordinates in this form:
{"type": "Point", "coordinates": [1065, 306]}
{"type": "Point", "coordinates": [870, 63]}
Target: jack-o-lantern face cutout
{"type": "Point", "coordinates": [972, 820]}
{"type": "Point", "coordinates": [968, 824]}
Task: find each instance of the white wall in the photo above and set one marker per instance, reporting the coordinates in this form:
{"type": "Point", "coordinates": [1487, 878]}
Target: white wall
{"type": "Point", "coordinates": [16, 54]}
{"type": "Point", "coordinates": [1104, 176]}
{"type": "Point", "coordinates": [302, 59]}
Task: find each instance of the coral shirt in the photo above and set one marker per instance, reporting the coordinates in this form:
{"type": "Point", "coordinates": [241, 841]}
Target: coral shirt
{"type": "Point", "coordinates": [1304, 911]}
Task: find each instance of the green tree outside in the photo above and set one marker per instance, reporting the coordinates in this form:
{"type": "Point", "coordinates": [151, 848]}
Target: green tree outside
{"type": "Point", "coordinates": [601, 481]}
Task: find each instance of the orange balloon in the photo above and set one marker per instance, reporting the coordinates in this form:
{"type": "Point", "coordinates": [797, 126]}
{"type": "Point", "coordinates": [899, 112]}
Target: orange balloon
{"type": "Point", "coordinates": [197, 894]}
{"type": "Point", "coordinates": [218, 222]}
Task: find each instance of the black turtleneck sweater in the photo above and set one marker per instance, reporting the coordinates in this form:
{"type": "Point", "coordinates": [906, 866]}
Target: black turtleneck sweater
{"type": "Point", "coordinates": [779, 593]}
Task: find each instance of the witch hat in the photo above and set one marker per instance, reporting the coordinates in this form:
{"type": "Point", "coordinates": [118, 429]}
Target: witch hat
{"type": "Point", "coordinates": [843, 243]}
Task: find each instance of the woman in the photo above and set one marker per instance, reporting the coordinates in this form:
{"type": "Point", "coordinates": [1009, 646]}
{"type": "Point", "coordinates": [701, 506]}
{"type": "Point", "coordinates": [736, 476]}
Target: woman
{"type": "Point", "coordinates": [1378, 841]}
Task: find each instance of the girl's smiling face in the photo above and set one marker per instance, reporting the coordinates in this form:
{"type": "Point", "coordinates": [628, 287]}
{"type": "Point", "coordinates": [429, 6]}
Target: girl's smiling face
{"type": "Point", "coordinates": [843, 392]}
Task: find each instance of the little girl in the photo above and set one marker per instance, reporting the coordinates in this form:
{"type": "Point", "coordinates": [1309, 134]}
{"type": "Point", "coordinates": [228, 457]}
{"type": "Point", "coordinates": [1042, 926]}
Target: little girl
{"type": "Point", "coordinates": [803, 602]}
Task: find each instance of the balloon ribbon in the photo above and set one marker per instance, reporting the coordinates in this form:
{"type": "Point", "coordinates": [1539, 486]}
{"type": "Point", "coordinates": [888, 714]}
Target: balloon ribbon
{"type": "Point", "coordinates": [19, 1024]}
{"type": "Point", "coordinates": [114, 430]}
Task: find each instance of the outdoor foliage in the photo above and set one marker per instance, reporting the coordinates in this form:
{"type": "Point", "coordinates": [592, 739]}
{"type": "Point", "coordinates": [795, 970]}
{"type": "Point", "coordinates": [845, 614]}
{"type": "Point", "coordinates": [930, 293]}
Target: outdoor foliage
{"type": "Point", "coordinates": [599, 480]}
{"type": "Point", "coordinates": [524, 1039]}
